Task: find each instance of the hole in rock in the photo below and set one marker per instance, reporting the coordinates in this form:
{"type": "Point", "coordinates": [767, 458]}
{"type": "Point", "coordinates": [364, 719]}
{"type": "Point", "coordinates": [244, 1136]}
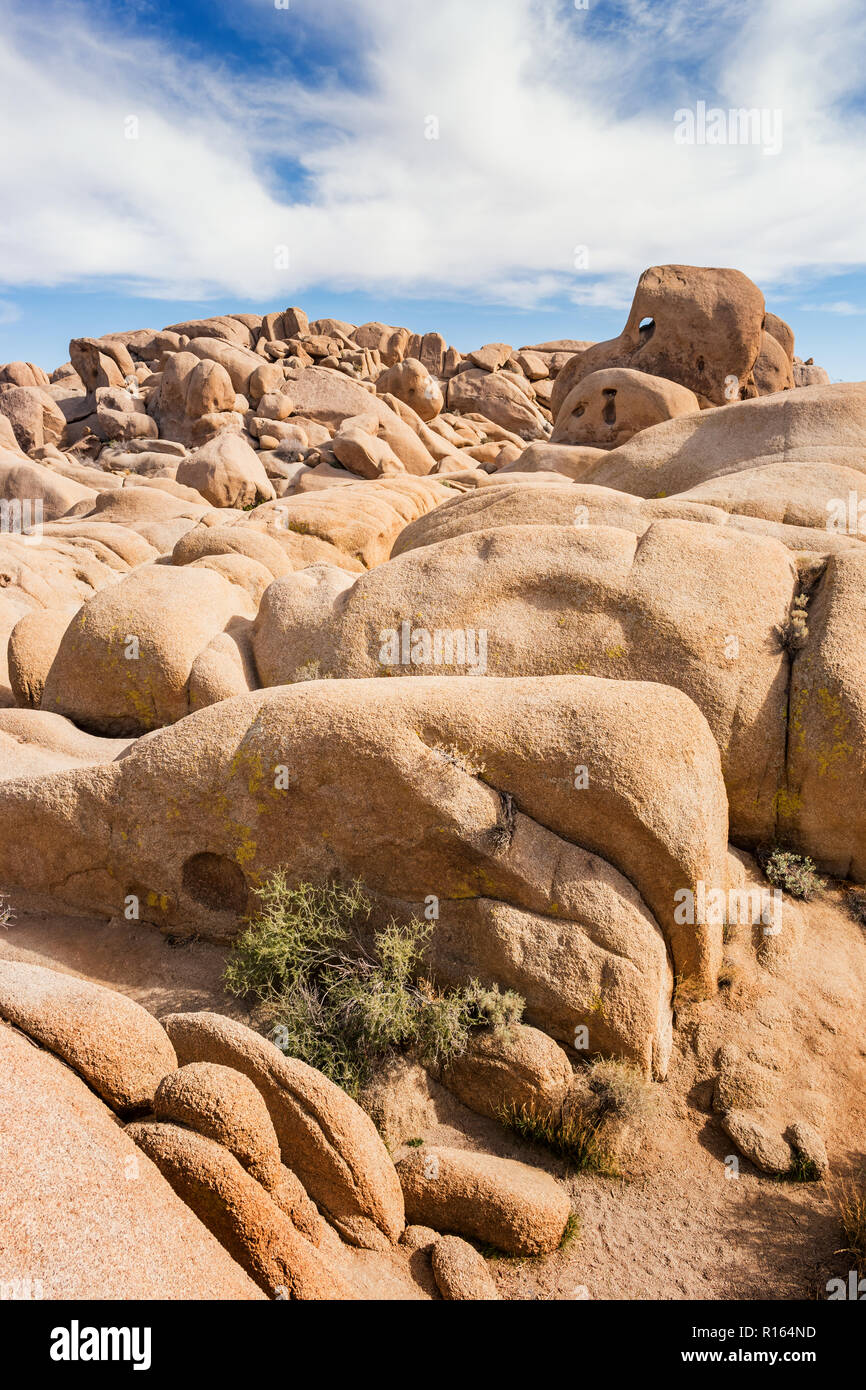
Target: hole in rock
{"type": "Point", "coordinates": [609, 412]}
{"type": "Point", "coordinates": [215, 882]}
{"type": "Point", "coordinates": [646, 329]}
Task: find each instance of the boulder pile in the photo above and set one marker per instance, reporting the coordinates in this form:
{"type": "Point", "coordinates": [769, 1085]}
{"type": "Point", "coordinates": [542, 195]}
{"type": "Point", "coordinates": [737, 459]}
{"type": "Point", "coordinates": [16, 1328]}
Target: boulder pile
{"type": "Point", "coordinates": [626, 582]}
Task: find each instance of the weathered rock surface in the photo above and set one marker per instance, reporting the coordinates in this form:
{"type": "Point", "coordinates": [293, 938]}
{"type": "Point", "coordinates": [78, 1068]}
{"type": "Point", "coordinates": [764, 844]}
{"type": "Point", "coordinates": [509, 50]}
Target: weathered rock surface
{"type": "Point", "coordinates": [223, 1105]}
{"type": "Point", "coordinates": [558, 882]}
{"type": "Point", "coordinates": [113, 1043]}
{"type": "Point", "coordinates": [83, 1213]}
{"type": "Point", "coordinates": [239, 1213]}
{"type": "Point", "coordinates": [461, 1273]}
{"type": "Point", "coordinates": [325, 1138]}
{"type": "Point", "coordinates": [518, 1209]}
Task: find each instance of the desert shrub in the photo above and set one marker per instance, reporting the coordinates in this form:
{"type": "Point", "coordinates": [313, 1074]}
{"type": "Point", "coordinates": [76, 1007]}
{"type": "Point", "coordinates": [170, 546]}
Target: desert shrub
{"type": "Point", "coordinates": [857, 905]}
{"type": "Point", "coordinates": [803, 1169]}
{"type": "Point", "coordinates": [621, 1090]}
{"type": "Point", "coordinates": [794, 632]}
{"type": "Point", "coordinates": [850, 1203]}
{"type": "Point", "coordinates": [6, 914]}
{"type": "Point", "coordinates": [341, 999]}
{"type": "Point", "coordinates": [575, 1137]}
{"type": "Point", "coordinates": [614, 1091]}
{"type": "Point", "coordinates": [795, 873]}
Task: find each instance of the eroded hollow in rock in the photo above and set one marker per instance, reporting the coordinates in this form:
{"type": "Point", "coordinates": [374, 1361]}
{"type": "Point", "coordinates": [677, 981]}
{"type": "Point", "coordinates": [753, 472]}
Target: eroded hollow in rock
{"type": "Point", "coordinates": [215, 882]}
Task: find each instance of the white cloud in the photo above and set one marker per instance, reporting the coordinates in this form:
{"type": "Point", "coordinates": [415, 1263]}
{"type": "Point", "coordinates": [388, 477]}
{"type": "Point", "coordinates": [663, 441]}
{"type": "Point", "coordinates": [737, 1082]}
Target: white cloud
{"type": "Point", "coordinates": [836, 306]}
{"type": "Point", "coordinates": [549, 138]}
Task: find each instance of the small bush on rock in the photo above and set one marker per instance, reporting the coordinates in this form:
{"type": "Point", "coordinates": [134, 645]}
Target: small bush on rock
{"type": "Point", "coordinates": [794, 632]}
{"type": "Point", "coordinates": [794, 873]}
{"type": "Point", "coordinates": [341, 1001]}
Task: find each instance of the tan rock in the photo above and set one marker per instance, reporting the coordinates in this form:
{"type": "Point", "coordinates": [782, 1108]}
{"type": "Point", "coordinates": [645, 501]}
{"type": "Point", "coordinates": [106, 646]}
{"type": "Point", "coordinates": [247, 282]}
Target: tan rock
{"type": "Point", "coordinates": [758, 1141]}
{"type": "Point", "coordinates": [24, 374]}
{"type": "Point", "coordinates": [607, 407]}
{"type": "Point", "coordinates": [700, 327]}
{"type": "Point", "coordinates": [227, 473]}
{"type": "Point", "coordinates": [330, 398]}
{"type": "Point", "coordinates": [35, 417]}
{"type": "Point", "coordinates": [24, 483]}
{"type": "Point", "coordinates": [365, 454]}
{"type": "Point", "coordinates": [124, 662]}
{"type": "Point", "coordinates": [782, 332]}
{"type": "Point", "coordinates": [223, 1105]}
{"type": "Point", "coordinates": [742, 584]}
{"type": "Point", "coordinates": [461, 1274]}
{"type": "Point", "coordinates": [491, 357]}
{"type": "Point", "coordinates": [821, 424]}
{"type": "Point", "coordinates": [238, 540]}
{"type": "Point", "coordinates": [115, 1044]}
{"type": "Point", "coordinates": [499, 398]}
{"type": "Point", "coordinates": [521, 1068]}
{"type": "Point", "coordinates": [412, 384]}
{"type": "Point", "coordinates": [238, 1211]}
{"type": "Point", "coordinates": [359, 522]}
{"type": "Point", "coordinates": [518, 1209]}
{"type": "Point", "coordinates": [83, 1213]}
{"type": "Point", "coordinates": [290, 1197]}
{"type": "Point", "coordinates": [33, 645]}
{"type": "Point", "coordinates": [773, 369]}
{"type": "Point", "coordinates": [581, 933]}
{"type": "Point", "coordinates": [325, 1138]}
{"type": "Point", "coordinates": [239, 362]}
{"type": "Point", "coordinates": [225, 328]}
{"type": "Point", "coordinates": [100, 362]}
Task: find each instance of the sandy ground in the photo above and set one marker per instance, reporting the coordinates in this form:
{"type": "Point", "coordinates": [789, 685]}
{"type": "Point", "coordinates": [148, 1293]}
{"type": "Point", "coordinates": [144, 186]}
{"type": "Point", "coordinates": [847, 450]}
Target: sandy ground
{"type": "Point", "coordinates": [674, 1226]}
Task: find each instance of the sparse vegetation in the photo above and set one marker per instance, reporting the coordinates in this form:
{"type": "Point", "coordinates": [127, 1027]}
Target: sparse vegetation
{"type": "Point", "coordinates": [615, 1091]}
{"type": "Point", "coordinates": [794, 632]}
{"type": "Point", "coordinates": [850, 1203]}
{"type": "Point", "coordinates": [341, 998]}
{"type": "Point", "coordinates": [621, 1090]}
{"type": "Point", "coordinates": [803, 1169]}
{"type": "Point", "coordinates": [794, 873]}
{"type": "Point", "coordinates": [6, 914]}
{"type": "Point", "coordinates": [857, 905]}
{"type": "Point", "coordinates": [571, 1232]}
{"type": "Point", "coordinates": [574, 1137]}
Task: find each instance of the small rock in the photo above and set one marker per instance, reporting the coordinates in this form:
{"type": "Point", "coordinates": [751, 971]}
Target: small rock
{"type": "Point", "coordinates": [461, 1273]}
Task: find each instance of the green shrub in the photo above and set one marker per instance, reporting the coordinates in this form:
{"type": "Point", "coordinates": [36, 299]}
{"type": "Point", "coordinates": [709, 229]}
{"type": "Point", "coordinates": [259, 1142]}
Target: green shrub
{"type": "Point", "coordinates": [795, 873]}
{"type": "Point", "coordinates": [343, 1002]}
{"type": "Point", "coordinates": [803, 1169]}
{"type": "Point", "coordinates": [575, 1137]}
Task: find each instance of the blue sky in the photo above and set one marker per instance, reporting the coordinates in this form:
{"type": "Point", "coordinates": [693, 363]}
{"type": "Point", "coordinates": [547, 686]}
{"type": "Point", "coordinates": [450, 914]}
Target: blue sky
{"type": "Point", "coordinates": [500, 169]}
